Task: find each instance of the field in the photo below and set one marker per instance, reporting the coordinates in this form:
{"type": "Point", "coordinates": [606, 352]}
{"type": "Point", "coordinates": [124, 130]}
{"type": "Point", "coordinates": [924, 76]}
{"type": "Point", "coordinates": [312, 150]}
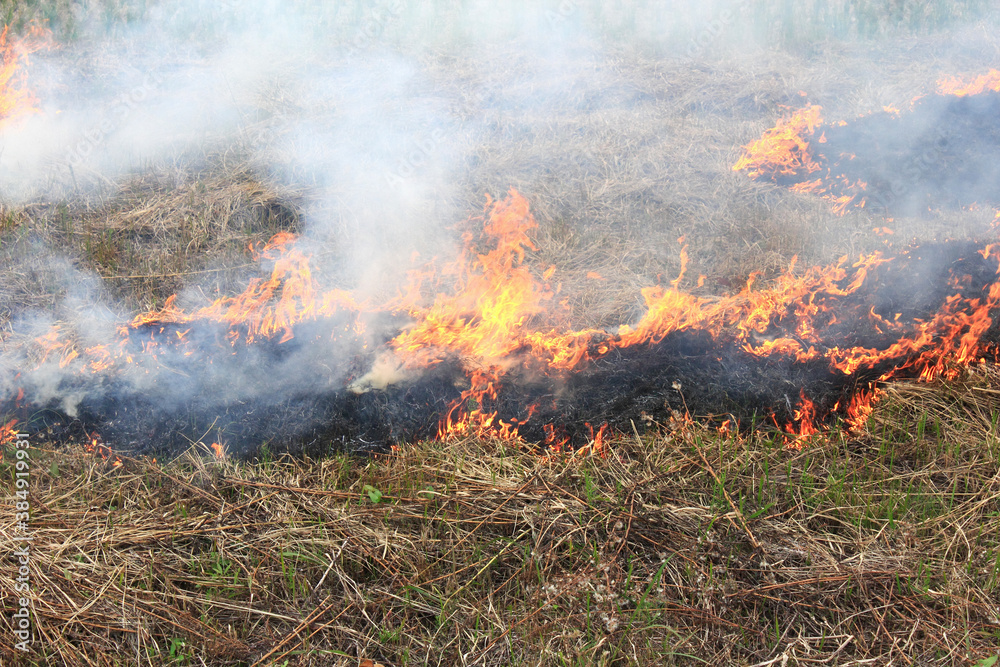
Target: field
{"type": "Point", "coordinates": [373, 129]}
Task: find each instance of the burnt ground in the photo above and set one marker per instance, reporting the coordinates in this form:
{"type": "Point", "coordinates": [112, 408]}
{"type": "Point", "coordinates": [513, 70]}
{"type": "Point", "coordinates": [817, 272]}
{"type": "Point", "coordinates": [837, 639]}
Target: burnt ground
{"type": "Point", "coordinates": [944, 152]}
{"type": "Point", "coordinates": [620, 156]}
{"type": "Point", "coordinates": [688, 371]}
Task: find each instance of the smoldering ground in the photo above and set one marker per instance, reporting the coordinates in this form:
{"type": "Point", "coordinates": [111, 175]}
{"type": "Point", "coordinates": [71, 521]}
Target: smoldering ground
{"type": "Point", "coordinates": [392, 146]}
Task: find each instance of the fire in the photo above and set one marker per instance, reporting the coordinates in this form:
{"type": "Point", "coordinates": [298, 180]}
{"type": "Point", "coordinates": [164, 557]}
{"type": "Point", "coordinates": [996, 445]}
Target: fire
{"type": "Point", "coordinates": [7, 432]}
{"type": "Point", "coordinates": [861, 406]}
{"type": "Point", "coordinates": [805, 416]}
{"type": "Point", "coordinates": [494, 296]}
{"type": "Point", "coordinates": [491, 314]}
{"type": "Point", "coordinates": [267, 308]}
{"type": "Point", "coordinates": [496, 317]}
{"type": "Point", "coordinates": [980, 84]}
{"type": "Point", "coordinates": [97, 447]}
{"type": "Point", "coordinates": [785, 152]}
{"type": "Point", "coordinates": [16, 99]}
{"type": "Point", "coordinates": [784, 149]}
{"type": "Point", "coordinates": [799, 151]}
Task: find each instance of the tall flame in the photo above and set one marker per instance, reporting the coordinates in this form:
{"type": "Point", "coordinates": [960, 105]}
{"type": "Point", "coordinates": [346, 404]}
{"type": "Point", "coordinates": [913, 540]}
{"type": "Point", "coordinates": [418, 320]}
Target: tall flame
{"type": "Point", "coordinates": [7, 432]}
{"type": "Point", "coordinates": [493, 299]}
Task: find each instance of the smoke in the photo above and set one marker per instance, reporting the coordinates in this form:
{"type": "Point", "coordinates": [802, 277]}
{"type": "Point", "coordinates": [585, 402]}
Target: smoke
{"type": "Point", "coordinates": [348, 102]}
{"type": "Point", "coordinates": [347, 118]}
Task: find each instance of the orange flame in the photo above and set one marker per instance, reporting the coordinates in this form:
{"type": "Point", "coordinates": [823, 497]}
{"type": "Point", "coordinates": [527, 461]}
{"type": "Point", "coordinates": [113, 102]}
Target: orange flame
{"type": "Point", "coordinates": [787, 150]}
{"type": "Point", "coordinates": [267, 307]}
{"type": "Point", "coordinates": [784, 149]}
{"type": "Point", "coordinates": [497, 315]}
{"type": "Point", "coordinates": [861, 406]}
{"type": "Point", "coordinates": [494, 297]}
{"type": "Point", "coordinates": [804, 416]}
{"type": "Point", "coordinates": [16, 99]}
{"type": "Point", "coordinates": [7, 432]}
{"type": "Point", "coordinates": [96, 446]}
{"type": "Point", "coordinates": [980, 84]}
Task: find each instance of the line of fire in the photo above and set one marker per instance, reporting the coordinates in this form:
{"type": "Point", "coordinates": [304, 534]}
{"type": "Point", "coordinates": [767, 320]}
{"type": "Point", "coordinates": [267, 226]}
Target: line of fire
{"type": "Point", "coordinates": [482, 344]}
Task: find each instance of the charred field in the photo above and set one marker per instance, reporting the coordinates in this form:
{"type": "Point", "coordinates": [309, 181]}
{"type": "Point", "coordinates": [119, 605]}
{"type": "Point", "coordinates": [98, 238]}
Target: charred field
{"type": "Point", "coordinates": [712, 377]}
{"type": "Point", "coordinates": [940, 151]}
{"type": "Point", "coordinates": [427, 333]}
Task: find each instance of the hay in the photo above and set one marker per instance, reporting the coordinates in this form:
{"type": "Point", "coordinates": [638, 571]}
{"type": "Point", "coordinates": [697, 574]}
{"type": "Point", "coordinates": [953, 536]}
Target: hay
{"type": "Point", "coordinates": [471, 552]}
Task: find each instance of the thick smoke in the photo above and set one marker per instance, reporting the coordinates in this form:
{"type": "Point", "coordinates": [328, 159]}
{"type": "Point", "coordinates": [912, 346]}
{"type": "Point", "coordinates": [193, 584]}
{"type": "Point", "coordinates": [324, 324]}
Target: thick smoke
{"type": "Point", "coordinates": [343, 111]}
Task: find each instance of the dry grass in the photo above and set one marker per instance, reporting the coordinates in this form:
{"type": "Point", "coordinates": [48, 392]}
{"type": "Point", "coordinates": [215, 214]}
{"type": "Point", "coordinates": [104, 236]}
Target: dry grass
{"type": "Point", "coordinates": [620, 151]}
{"type": "Point", "coordinates": [151, 236]}
{"type": "Point", "coordinates": [685, 547]}
{"type": "Point", "coordinates": [681, 547]}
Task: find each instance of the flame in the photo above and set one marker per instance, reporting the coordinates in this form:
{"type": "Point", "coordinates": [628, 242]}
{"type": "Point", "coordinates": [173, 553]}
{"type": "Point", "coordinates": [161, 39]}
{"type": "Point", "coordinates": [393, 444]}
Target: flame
{"type": "Point", "coordinates": [805, 416]}
{"type": "Point", "coordinates": [980, 84]}
{"type": "Point", "coordinates": [784, 149]}
{"type": "Point", "coordinates": [789, 154]}
{"type": "Point", "coordinates": [16, 99]}
{"type": "Point", "coordinates": [861, 406]}
{"type": "Point", "coordinates": [494, 297]}
{"type": "Point", "coordinates": [266, 308]}
{"type": "Point", "coordinates": [97, 447]}
{"type": "Point", "coordinates": [8, 433]}
{"type": "Point", "coordinates": [488, 311]}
